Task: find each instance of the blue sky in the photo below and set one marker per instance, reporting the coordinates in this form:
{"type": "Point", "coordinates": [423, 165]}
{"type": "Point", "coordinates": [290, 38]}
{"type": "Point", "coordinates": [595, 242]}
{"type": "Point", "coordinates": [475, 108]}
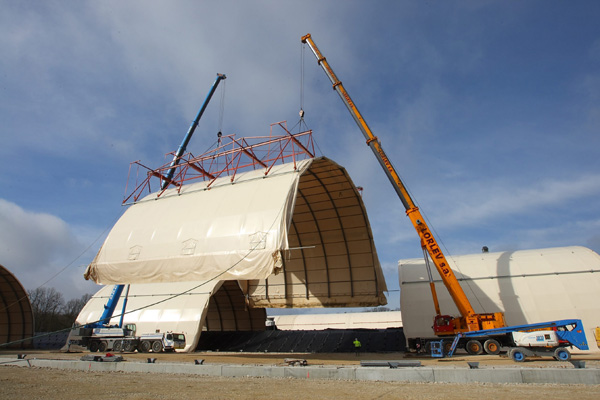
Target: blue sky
{"type": "Point", "coordinates": [488, 109]}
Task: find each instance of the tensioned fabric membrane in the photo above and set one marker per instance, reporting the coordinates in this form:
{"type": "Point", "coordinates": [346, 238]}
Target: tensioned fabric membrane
{"type": "Point", "coordinates": [331, 259]}
{"type": "Point", "coordinates": [16, 315]}
{"type": "Point", "coordinates": [182, 307]}
{"type": "Point", "coordinates": [298, 236]}
{"type": "Point", "coordinates": [234, 230]}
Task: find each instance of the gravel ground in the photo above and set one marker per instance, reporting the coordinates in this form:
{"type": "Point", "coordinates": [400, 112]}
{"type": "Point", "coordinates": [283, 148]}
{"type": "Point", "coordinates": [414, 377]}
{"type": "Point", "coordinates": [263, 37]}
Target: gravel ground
{"type": "Point", "coordinates": [53, 384]}
{"type": "Point", "coordinates": [592, 360]}
{"type": "Point", "coordinates": [44, 383]}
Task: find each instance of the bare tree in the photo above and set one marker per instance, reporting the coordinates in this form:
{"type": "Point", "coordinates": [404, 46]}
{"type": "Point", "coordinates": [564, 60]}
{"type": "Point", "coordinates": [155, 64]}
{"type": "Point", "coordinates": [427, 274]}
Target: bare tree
{"type": "Point", "coordinates": [47, 304]}
{"type": "Point", "coordinates": [73, 307]}
{"type": "Point", "coordinates": [50, 311]}
{"type": "Point", "coordinates": [380, 309]}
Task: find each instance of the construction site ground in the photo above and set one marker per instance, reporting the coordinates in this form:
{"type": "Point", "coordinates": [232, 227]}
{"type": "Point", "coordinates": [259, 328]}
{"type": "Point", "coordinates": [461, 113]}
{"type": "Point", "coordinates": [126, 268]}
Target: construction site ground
{"type": "Point", "coordinates": [49, 383]}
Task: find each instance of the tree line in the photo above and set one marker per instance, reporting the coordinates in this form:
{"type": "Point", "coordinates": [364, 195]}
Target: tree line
{"type": "Point", "coordinates": [52, 313]}
{"type": "Point", "coordinates": [50, 310]}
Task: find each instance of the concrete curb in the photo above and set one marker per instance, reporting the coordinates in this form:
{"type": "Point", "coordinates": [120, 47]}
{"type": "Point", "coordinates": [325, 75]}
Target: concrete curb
{"type": "Point", "coordinates": [587, 376]}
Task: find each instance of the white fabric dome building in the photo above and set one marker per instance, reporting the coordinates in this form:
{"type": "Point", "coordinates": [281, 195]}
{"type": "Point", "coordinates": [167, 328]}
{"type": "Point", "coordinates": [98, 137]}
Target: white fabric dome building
{"type": "Point", "coordinates": [528, 286]}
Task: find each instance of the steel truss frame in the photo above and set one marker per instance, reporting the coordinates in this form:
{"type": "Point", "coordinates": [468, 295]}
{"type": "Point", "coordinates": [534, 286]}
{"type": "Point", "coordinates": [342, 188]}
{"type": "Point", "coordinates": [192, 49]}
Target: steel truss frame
{"type": "Point", "coordinates": [230, 156]}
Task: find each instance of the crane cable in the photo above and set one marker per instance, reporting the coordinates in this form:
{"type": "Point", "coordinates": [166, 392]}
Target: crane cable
{"type": "Point", "coordinates": [221, 113]}
{"type": "Point", "coordinates": [302, 46]}
{"type": "Point", "coordinates": [302, 122]}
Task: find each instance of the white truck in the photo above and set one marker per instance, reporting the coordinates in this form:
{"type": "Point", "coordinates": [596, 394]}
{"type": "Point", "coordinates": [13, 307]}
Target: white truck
{"type": "Point", "coordinates": [112, 338]}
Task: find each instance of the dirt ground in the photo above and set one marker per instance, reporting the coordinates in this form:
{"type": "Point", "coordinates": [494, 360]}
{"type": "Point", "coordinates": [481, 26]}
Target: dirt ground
{"type": "Point", "coordinates": [315, 359]}
{"type": "Point", "coordinates": [43, 383]}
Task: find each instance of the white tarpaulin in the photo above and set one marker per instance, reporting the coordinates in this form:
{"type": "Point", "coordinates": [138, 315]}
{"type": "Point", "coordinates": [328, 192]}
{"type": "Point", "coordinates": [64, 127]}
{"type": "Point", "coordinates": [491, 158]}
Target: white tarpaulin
{"type": "Point", "coordinates": [352, 320]}
{"type": "Point", "coordinates": [174, 307]}
{"type": "Point", "coordinates": [232, 231]}
{"type": "Point", "coordinates": [332, 261]}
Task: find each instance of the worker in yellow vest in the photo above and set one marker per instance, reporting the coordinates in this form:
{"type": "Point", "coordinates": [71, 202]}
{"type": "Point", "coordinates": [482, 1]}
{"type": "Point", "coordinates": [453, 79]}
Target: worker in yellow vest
{"type": "Point", "coordinates": [357, 346]}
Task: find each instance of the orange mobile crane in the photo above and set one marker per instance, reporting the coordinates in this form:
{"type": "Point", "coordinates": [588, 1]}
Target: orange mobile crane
{"type": "Point", "coordinates": [443, 325]}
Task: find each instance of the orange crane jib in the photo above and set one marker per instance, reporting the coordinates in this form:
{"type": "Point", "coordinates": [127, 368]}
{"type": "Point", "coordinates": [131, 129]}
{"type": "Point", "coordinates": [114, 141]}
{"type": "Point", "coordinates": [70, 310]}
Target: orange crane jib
{"type": "Point", "coordinates": [443, 324]}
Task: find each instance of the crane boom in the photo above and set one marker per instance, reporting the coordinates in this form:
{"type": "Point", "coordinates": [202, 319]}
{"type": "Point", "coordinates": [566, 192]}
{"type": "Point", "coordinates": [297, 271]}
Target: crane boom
{"type": "Point", "coordinates": [470, 320]}
{"type": "Point", "coordinates": [115, 295]}
{"type": "Point", "coordinates": [190, 132]}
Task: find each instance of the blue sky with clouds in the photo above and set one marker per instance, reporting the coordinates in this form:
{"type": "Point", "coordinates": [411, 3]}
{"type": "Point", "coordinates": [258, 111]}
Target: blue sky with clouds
{"type": "Point", "coordinates": [490, 111]}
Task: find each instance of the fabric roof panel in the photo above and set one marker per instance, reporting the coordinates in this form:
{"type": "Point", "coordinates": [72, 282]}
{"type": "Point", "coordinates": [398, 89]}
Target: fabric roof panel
{"type": "Point", "coordinates": [278, 227]}
{"type": "Point", "coordinates": [16, 313]}
{"type": "Point", "coordinates": [328, 212]}
{"type": "Point", "coordinates": [231, 232]}
{"type": "Point", "coordinates": [172, 306]}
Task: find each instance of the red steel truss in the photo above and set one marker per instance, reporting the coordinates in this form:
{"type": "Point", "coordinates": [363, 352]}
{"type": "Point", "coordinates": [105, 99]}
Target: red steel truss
{"type": "Point", "coordinates": [227, 159]}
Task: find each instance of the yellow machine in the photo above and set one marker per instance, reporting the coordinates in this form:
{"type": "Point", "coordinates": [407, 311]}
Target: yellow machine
{"type": "Point", "coordinates": [444, 325]}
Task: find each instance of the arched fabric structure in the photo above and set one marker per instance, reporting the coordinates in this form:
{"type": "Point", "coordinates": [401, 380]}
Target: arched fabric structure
{"type": "Point", "coordinates": [16, 314]}
{"type": "Point", "coordinates": [228, 311]}
{"type": "Point", "coordinates": [298, 236]}
{"type": "Point", "coordinates": [234, 229]}
{"type": "Point", "coordinates": [174, 306]}
{"type": "Point", "coordinates": [331, 260]}
{"type": "Point", "coordinates": [187, 308]}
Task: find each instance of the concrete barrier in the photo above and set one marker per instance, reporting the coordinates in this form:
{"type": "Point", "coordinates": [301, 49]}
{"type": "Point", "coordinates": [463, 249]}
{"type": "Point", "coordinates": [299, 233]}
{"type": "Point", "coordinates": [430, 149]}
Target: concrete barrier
{"type": "Point", "coordinates": [252, 370]}
{"type": "Point", "coordinates": [561, 376]}
{"type": "Point", "coordinates": [505, 375]}
{"type": "Point", "coordinates": [395, 375]}
{"type": "Point", "coordinates": [587, 376]}
{"type": "Point", "coordinates": [320, 373]}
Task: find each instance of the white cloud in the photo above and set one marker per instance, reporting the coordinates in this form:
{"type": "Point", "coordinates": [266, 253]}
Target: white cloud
{"type": "Point", "coordinates": [30, 239]}
{"type": "Point", "coordinates": [37, 247]}
{"type": "Point", "coordinates": [496, 200]}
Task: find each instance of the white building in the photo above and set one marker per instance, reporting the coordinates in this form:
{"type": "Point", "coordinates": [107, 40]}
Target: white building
{"type": "Point", "coordinates": [528, 286]}
{"type": "Point", "coordinates": [354, 320]}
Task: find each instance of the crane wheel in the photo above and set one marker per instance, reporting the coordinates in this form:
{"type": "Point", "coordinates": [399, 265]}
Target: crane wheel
{"type": "Point", "coordinates": [117, 345]}
{"type": "Point", "coordinates": [102, 346]}
{"type": "Point", "coordinates": [474, 347]}
{"type": "Point", "coordinates": [93, 346]}
{"type": "Point", "coordinates": [427, 347]}
{"type": "Point", "coordinates": [157, 346]}
{"type": "Point", "coordinates": [145, 346]}
{"type": "Point", "coordinates": [128, 346]}
{"type": "Point", "coordinates": [446, 346]}
{"type": "Point", "coordinates": [491, 346]}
